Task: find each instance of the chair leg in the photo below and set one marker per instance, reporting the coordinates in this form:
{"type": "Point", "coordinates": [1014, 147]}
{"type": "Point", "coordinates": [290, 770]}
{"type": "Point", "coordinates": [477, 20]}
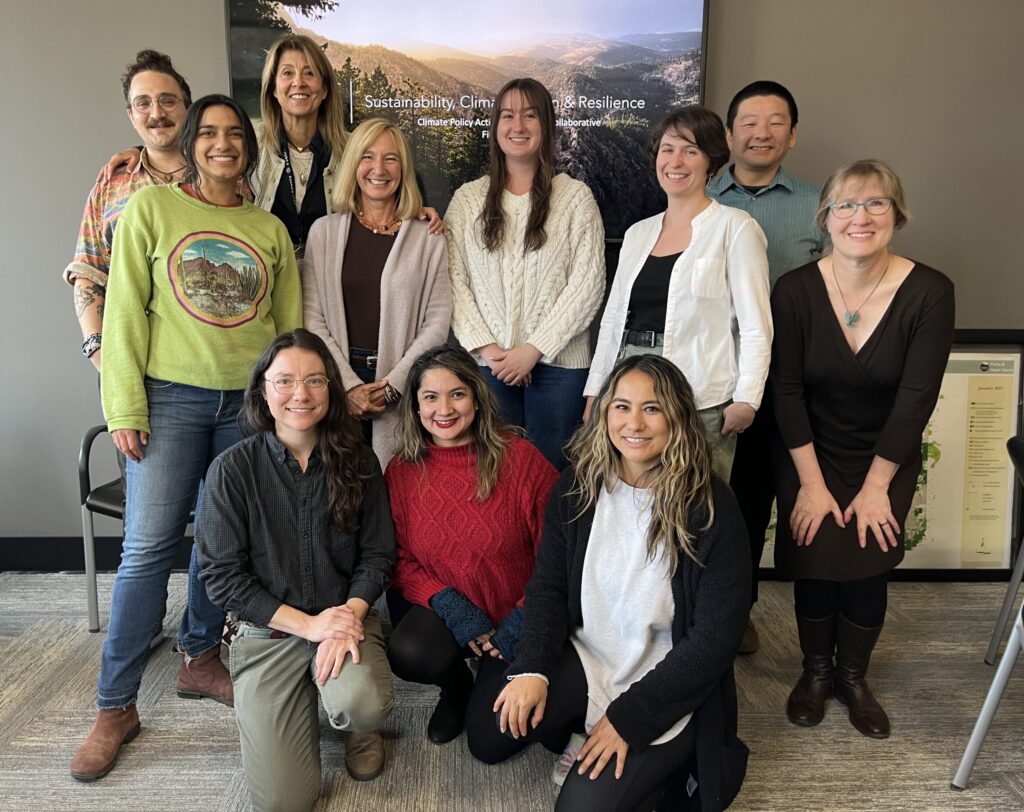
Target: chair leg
{"type": "Point", "coordinates": [988, 709]}
{"type": "Point", "coordinates": [89, 543]}
{"type": "Point", "coordinates": [1007, 607]}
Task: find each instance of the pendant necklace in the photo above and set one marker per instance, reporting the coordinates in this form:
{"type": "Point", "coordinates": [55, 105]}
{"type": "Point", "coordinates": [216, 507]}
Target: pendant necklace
{"type": "Point", "coordinates": [167, 176]}
{"type": "Point", "coordinates": [850, 319]}
{"type": "Point", "coordinates": [379, 229]}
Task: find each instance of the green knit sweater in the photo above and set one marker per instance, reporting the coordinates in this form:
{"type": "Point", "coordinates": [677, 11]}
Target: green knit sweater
{"type": "Point", "coordinates": [196, 293]}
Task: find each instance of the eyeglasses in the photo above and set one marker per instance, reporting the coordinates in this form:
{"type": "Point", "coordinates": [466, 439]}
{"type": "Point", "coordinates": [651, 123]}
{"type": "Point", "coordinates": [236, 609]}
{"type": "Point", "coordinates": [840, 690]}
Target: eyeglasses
{"type": "Point", "coordinates": [286, 386]}
{"type": "Point", "coordinates": [166, 101]}
{"type": "Point", "coordinates": [845, 209]}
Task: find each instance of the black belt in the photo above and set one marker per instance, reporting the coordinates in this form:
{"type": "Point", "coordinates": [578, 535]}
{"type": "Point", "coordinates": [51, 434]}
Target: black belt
{"type": "Point", "coordinates": [645, 338]}
{"type": "Point", "coordinates": [367, 359]}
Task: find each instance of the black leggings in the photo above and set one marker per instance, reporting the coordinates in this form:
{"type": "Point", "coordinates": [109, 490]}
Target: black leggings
{"type": "Point", "coordinates": [863, 601]}
{"type": "Point", "coordinates": [646, 775]}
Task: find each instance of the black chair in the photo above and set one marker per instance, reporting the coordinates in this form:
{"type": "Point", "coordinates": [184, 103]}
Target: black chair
{"type": "Point", "coordinates": [107, 500]}
{"type": "Point", "coordinates": [1015, 448]}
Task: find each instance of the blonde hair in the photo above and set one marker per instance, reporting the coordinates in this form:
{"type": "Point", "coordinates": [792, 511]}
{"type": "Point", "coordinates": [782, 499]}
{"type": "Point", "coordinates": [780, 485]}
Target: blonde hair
{"type": "Point", "coordinates": [346, 192]}
{"type": "Point", "coordinates": [490, 433]}
{"type": "Point", "coordinates": [679, 486]}
{"type": "Point", "coordinates": [330, 117]}
{"type": "Point", "coordinates": [861, 172]}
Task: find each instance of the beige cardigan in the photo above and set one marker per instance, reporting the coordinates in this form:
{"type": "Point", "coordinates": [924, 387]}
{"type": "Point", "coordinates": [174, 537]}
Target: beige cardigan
{"type": "Point", "coordinates": [415, 307]}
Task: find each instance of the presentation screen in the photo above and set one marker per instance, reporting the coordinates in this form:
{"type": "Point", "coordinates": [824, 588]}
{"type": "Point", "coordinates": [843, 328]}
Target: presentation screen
{"type": "Point", "coordinates": [614, 70]}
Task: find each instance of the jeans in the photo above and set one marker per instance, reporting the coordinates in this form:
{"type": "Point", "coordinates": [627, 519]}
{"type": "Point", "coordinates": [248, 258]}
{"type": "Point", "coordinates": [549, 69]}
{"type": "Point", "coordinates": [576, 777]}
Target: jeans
{"type": "Point", "coordinates": [189, 426]}
{"type": "Point", "coordinates": [550, 408]}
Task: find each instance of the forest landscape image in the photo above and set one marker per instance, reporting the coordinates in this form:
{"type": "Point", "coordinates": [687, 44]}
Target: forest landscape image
{"type": "Point", "coordinates": [613, 69]}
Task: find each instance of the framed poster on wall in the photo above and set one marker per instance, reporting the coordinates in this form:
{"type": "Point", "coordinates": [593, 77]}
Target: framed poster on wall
{"type": "Point", "coordinates": [614, 70]}
{"type": "Point", "coordinates": [962, 516]}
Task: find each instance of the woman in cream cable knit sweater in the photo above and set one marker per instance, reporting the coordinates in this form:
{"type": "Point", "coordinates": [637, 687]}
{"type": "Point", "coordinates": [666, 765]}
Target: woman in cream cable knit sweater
{"type": "Point", "coordinates": [526, 260]}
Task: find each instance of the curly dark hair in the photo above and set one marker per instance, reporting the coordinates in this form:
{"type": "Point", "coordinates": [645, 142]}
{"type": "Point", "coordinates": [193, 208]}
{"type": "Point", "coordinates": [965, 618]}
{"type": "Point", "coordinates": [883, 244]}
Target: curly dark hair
{"type": "Point", "coordinates": [155, 61]}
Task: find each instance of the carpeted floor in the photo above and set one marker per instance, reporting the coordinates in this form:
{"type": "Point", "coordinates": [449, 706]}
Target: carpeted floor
{"type": "Point", "coordinates": [928, 672]}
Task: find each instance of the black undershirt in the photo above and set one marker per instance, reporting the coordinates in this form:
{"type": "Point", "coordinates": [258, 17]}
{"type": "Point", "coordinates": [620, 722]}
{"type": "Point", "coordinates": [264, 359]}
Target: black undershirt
{"type": "Point", "coordinates": [649, 297]}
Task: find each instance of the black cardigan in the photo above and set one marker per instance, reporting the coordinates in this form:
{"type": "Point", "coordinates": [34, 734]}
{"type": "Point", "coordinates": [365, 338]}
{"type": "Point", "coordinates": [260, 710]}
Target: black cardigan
{"type": "Point", "coordinates": [712, 600]}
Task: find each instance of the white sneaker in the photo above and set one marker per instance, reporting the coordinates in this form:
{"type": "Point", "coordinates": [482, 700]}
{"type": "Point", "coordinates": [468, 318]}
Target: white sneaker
{"type": "Point", "coordinates": [567, 759]}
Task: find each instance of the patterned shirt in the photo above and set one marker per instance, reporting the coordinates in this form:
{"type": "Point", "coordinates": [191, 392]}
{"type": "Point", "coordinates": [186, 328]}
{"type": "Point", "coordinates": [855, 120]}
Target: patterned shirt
{"type": "Point", "coordinates": [264, 536]}
{"type": "Point", "coordinates": [785, 209]}
{"type": "Point", "coordinates": [105, 203]}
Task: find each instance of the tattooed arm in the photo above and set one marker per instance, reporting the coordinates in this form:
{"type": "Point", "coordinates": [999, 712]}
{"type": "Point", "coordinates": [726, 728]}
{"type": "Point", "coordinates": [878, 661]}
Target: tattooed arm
{"type": "Point", "coordinates": [89, 301]}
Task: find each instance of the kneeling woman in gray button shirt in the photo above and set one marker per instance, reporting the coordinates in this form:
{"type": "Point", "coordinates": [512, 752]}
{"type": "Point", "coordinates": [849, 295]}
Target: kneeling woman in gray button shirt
{"type": "Point", "coordinates": [296, 540]}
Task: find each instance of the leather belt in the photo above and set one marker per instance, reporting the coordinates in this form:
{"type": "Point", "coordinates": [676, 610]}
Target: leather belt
{"type": "Point", "coordinates": [645, 338]}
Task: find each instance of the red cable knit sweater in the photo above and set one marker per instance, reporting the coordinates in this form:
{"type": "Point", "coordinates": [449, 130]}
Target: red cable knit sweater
{"type": "Point", "coordinates": [446, 538]}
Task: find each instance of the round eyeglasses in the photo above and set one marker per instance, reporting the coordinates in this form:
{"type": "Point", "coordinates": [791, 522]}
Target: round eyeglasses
{"type": "Point", "coordinates": [166, 102]}
{"type": "Point", "coordinates": [845, 209]}
{"type": "Point", "coordinates": [284, 385]}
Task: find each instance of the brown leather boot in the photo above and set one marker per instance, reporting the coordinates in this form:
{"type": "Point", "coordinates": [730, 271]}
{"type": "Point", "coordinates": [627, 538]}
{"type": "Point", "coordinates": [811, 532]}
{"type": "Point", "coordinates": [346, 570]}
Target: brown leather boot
{"type": "Point", "coordinates": [97, 755]}
{"type": "Point", "coordinates": [854, 645]}
{"type": "Point", "coordinates": [806, 705]}
{"type": "Point", "coordinates": [205, 677]}
{"type": "Point", "coordinates": [364, 754]}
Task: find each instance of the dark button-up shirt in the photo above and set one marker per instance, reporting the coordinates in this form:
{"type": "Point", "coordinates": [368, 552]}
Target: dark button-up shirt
{"type": "Point", "coordinates": [265, 536]}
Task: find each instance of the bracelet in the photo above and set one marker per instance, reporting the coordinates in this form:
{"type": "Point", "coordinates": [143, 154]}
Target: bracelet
{"type": "Point", "coordinates": [391, 395]}
{"type": "Point", "coordinates": [91, 345]}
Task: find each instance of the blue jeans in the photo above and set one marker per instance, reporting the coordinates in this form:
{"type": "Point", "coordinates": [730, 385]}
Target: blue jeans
{"type": "Point", "coordinates": [189, 426]}
{"type": "Point", "coordinates": [550, 408]}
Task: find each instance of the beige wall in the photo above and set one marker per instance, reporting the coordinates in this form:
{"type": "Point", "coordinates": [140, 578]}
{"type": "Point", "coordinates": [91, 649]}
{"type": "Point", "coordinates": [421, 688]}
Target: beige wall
{"type": "Point", "coordinates": [930, 85]}
{"type": "Point", "coordinates": [934, 87]}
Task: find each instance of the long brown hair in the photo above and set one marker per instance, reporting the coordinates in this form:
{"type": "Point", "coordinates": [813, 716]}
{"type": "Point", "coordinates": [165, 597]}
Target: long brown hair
{"type": "Point", "coordinates": [492, 218]}
{"type": "Point", "coordinates": [490, 433]}
{"type": "Point", "coordinates": [679, 485]}
{"type": "Point", "coordinates": [340, 441]}
{"type": "Point", "coordinates": [330, 118]}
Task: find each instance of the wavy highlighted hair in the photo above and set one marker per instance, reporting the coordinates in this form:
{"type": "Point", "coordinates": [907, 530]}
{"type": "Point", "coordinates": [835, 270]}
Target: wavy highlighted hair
{"type": "Point", "coordinates": [679, 486]}
{"type": "Point", "coordinates": [490, 433]}
{"type": "Point", "coordinates": [348, 198]}
{"type": "Point", "coordinates": [340, 441]}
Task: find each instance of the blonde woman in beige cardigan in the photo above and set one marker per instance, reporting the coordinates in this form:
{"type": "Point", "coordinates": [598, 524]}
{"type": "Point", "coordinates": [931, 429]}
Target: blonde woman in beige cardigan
{"type": "Point", "coordinates": [375, 282]}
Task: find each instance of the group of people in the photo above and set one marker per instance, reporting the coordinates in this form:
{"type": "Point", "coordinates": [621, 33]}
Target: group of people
{"type": "Point", "coordinates": [559, 519]}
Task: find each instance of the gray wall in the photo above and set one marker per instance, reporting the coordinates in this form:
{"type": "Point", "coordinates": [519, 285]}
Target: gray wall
{"type": "Point", "coordinates": [924, 84]}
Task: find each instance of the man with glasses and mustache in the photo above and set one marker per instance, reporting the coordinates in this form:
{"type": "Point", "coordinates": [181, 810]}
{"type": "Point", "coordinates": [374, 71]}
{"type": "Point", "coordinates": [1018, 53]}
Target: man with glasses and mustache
{"type": "Point", "coordinates": [157, 98]}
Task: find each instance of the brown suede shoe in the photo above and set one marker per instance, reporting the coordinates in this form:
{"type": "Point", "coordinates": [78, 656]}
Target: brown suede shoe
{"type": "Point", "coordinates": [750, 642]}
{"type": "Point", "coordinates": [364, 754]}
{"type": "Point", "coordinates": [97, 755]}
{"type": "Point", "coordinates": [205, 677]}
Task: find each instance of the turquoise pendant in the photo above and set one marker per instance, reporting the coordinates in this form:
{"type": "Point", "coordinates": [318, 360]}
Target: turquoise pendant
{"type": "Point", "coordinates": [851, 318]}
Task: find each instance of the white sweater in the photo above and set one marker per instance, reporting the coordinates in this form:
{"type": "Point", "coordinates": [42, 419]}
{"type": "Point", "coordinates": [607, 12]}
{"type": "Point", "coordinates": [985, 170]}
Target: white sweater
{"type": "Point", "coordinates": [546, 298]}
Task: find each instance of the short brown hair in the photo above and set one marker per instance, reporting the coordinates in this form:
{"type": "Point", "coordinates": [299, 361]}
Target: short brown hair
{"type": "Point", "coordinates": [154, 61]}
{"type": "Point", "coordinates": [708, 131]}
{"type": "Point", "coordinates": [860, 172]}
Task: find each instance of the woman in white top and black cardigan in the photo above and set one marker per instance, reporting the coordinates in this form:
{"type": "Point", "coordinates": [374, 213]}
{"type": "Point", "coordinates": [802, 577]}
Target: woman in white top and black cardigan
{"type": "Point", "coordinates": [692, 285]}
{"type": "Point", "coordinates": [636, 607]}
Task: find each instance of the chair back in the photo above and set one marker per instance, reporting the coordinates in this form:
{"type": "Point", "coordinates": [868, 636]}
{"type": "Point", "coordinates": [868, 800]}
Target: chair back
{"type": "Point", "coordinates": [1015, 448]}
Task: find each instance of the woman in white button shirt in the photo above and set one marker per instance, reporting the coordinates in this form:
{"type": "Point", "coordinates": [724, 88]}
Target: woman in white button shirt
{"type": "Point", "coordinates": [692, 285]}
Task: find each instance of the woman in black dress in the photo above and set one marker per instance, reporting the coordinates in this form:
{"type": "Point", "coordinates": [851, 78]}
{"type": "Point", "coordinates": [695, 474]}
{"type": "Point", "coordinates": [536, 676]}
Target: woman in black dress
{"type": "Point", "coordinates": [861, 342]}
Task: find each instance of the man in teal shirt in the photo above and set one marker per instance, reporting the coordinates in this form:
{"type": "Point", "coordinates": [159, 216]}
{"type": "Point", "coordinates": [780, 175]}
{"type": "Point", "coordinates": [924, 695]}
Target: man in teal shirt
{"type": "Point", "coordinates": [761, 130]}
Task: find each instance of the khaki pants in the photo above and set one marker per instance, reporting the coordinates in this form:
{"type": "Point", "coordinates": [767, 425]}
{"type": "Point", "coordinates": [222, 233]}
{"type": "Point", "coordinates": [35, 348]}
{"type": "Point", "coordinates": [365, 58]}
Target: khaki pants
{"type": "Point", "coordinates": [723, 449]}
{"type": "Point", "coordinates": [277, 716]}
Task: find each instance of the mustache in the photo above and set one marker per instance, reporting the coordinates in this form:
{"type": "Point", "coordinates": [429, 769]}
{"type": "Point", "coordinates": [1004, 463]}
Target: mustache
{"type": "Point", "coordinates": [160, 122]}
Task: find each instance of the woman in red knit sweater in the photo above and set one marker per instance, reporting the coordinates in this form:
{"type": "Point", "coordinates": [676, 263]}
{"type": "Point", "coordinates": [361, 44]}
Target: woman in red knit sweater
{"type": "Point", "coordinates": [468, 497]}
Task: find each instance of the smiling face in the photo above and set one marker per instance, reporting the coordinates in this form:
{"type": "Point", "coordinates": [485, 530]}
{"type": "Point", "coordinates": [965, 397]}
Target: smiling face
{"type": "Point", "coordinates": [159, 127]}
{"type": "Point", "coordinates": [220, 146]}
{"type": "Point", "coordinates": [519, 130]}
{"type": "Point", "coordinates": [682, 167]}
{"type": "Point", "coordinates": [298, 413]}
{"type": "Point", "coordinates": [863, 235]}
{"type": "Point", "coordinates": [298, 88]}
{"type": "Point", "coordinates": [379, 173]}
{"type": "Point", "coordinates": [637, 425]}
{"type": "Point", "coordinates": [447, 407]}
{"type": "Point", "coordinates": [761, 135]}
